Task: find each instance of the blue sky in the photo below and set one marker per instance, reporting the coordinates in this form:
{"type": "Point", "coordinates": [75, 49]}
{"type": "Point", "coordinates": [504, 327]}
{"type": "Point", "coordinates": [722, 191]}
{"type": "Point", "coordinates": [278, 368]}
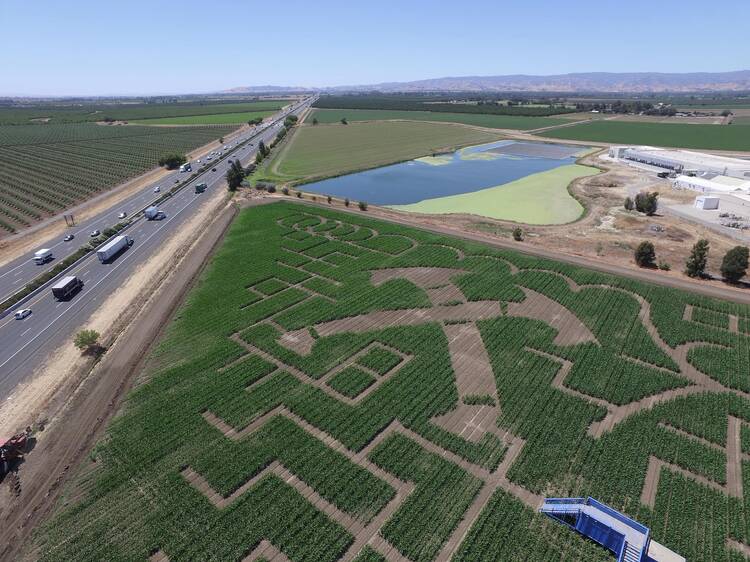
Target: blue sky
{"type": "Point", "coordinates": [138, 47]}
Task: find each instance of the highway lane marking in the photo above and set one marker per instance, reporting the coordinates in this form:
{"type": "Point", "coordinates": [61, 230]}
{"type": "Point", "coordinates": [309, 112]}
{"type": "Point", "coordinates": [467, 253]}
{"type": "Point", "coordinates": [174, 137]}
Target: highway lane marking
{"type": "Point", "coordinates": [25, 331]}
{"type": "Point", "coordinates": [101, 280]}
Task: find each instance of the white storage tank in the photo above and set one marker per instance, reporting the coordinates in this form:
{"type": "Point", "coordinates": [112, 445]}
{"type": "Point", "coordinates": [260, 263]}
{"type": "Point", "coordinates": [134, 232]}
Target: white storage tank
{"type": "Point", "coordinates": [706, 202]}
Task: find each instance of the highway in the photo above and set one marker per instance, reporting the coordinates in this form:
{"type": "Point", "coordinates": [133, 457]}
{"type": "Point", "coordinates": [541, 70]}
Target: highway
{"type": "Point", "coordinates": [25, 343]}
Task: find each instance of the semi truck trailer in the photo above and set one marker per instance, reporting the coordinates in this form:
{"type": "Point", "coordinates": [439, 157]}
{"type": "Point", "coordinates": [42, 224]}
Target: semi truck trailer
{"type": "Point", "coordinates": [113, 247]}
{"type": "Point", "coordinates": [66, 287]}
{"type": "Point", "coordinates": [154, 214]}
{"type": "Point", "coordinates": [42, 256]}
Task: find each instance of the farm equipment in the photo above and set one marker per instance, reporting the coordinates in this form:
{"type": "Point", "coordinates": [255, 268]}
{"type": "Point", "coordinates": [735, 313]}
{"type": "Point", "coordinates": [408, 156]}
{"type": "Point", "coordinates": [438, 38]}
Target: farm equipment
{"type": "Point", "coordinates": [12, 450]}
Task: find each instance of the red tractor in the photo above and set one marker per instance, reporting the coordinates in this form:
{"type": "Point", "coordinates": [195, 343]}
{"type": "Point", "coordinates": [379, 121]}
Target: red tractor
{"type": "Point", "coordinates": [12, 450]}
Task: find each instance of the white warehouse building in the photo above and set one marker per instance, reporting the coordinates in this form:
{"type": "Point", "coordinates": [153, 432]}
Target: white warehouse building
{"type": "Point", "coordinates": [712, 184]}
{"type": "Point", "coordinates": [682, 161]}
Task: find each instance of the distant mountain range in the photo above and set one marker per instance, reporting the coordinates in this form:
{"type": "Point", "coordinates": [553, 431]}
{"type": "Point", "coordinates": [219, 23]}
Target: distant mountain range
{"type": "Point", "coordinates": [625, 82]}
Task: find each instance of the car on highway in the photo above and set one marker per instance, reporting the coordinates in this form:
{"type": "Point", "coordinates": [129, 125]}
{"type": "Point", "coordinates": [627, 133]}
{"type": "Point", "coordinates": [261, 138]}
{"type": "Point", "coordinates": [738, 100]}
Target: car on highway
{"type": "Point", "coordinates": [69, 237]}
{"type": "Point", "coordinates": [122, 215]}
{"type": "Point", "coordinates": [198, 161]}
{"type": "Point", "coordinates": [23, 313]}
{"type": "Point", "coordinates": [157, 189]}
{"type": "Point", "coordinates": [213, 169]}
{"type": "Point", "coordinates": [94, 233]}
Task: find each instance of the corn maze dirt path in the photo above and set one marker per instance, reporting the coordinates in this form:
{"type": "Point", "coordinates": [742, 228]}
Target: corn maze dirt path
{"type": "Point", "coordinates": [474, 377]}
{"type": "Point", "coordinates": [474, 374]}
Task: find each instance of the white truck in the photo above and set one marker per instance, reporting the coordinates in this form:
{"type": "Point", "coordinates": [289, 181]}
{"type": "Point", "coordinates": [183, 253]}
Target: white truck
{"type": "Point", "coordinates": [42, 256]}
{"type": "Point", "coordinates": [186, 167]}
{"type": "Point", "coordinates": [113, 247]}
{"type": "Point", "coordinates": [153, 213]}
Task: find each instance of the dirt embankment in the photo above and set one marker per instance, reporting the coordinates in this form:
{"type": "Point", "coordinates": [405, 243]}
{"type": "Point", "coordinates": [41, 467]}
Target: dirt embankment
{"type": "Point", "coordinates": [75, 399]}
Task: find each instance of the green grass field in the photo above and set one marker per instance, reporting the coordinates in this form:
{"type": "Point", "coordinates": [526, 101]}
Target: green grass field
{"type": "Point", "coordinates": [480, 120]}
{"type": "Point", "coordinates": [317, 391]}
{"type": "Point", "coordinates": [327, 150]}
{"type": "Point", "coordinates": [214, 119]}
{"type": "Point", "coordinates": [716, 137]}
{"type": "Point", "coordinates": [541, 198]}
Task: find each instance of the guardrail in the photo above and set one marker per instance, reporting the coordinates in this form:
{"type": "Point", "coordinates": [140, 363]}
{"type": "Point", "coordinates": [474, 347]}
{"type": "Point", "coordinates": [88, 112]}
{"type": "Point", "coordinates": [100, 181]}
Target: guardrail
{"type": "Point", "coordinates": [6, 307]}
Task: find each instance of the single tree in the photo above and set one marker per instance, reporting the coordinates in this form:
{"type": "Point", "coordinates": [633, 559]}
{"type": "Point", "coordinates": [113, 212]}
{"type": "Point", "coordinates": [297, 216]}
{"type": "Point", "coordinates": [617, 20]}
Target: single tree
{"type": "Point", "coordinates": [221, 140]}
{"type": "Point", "coordinates": [87, 341]}
{"type": "Point", "coordinates": [315, 121]}
{"type": "Point", "coordinates": [695, 266]}
{"type": "Point", "coordinates": [645, 255]}
{"type": "Point", "coordinates": [629, 205]}
{"type": "Point", "coordinates": [518, 234]}
{"type": "Point", "coordinates": [258, 157]}
{"type": "Point", "coordinates": [344, 121]}
{"type": "Point", "coordinates": [329, 198]}
{"type": "Point", "coordinates": [263, 149]}
{"type": "Point", "coordinates": [346, 202]}
{"type": "Point", "coordinates": [646, 202]}
{"type": "Point", "coordinates": [362, 205]}
{"type": "Point", "coordinates": [734, 264]}
{"type": "Point", "coordinates": [235, 175]}
{"type": "Point", "coordinates": [172, 161]}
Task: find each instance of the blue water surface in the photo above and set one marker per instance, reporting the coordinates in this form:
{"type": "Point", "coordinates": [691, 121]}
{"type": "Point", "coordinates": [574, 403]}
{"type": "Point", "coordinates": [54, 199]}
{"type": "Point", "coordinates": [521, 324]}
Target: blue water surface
{"type": "Point", "coordinates": [414, 181]}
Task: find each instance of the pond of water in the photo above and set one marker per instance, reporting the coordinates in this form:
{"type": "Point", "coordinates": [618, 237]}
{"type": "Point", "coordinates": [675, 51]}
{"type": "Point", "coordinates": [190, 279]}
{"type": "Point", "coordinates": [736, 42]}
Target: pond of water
{"type": "Point", "coordinates": [463, 171]}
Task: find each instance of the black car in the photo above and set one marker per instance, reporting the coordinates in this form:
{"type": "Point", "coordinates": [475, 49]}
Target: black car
{"type": "Point", "coordinates": [68, 237]}
{"type": "Point", "coordinates": [213, 169]}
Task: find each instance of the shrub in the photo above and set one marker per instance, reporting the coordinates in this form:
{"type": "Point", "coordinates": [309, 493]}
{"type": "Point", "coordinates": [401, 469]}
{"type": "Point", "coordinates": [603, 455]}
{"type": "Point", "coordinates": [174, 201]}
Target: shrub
{"type": "Point", "coordinates": [646, 202]}
{"type": "Point", "coordinates": [299, 195]}
{"type": "Point", "coordinates": [734, 264]}
{"type": "Point", "coordinates": [645, 255]}
{"type": "Point", "coordinates": [329, 198]}
{"type": "Point", "coordinates": [346, 202]}
{"type": "Point", "coordinates": [518, 234]}
{"type": "Point", "coordinates": [362, 205]}
{"type": "Point", "coordinates": [285, 190]}
{"type": "Point", "coordinates": [664, 266]}
{"type": "Point", "coordinates": [271, 188]}
{"type": "Point", "coordinates": [629, 205]}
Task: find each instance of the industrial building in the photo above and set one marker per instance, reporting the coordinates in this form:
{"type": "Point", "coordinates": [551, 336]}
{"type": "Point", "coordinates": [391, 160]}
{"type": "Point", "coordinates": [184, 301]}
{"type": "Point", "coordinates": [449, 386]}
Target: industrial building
{"type": "Point", "coordinates": [684, 161]}
{"type": "Point", "coordinates": [711, 183]}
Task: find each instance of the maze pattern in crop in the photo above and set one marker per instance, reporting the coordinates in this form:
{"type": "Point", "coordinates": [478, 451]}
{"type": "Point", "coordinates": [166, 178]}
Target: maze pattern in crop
{"type": "Point", "coordinates": [49, 168]}
{"type": "Point", "coordinates": [338, 388]}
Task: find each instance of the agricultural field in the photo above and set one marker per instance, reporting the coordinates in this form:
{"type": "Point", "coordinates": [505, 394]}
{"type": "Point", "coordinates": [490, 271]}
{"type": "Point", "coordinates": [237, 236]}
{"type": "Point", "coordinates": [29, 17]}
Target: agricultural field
{"type": "Point", "coordinates": [716, 137]}
{"type": "Point", "coordinates": [480, 120]}
{"type": "Point", "coordinates": [211, 119]}
{"type": "Point", "coordinates": [49, 168]}
{"type": "Point", "coordinates": [328, 150]}
{"type": "Point", "coordinates": [84, 113]}
{"type": "Point", "coordinates": [340, 388]}
{"type": "Point", "coordinates": [437, 103]}
{"type": "Point", "coordinates": [541, 198]}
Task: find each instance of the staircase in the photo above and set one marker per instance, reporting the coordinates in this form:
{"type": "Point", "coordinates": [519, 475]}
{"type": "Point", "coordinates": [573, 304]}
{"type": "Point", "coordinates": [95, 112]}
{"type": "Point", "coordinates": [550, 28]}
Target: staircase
{"type": "Point", "coordinates": [630, 554]}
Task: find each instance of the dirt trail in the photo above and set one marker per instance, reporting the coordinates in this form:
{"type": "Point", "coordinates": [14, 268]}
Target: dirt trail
{"type": "Point", "coordinates": [72, 433]}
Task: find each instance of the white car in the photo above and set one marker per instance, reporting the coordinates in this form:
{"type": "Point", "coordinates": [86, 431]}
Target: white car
{"type": "Point", "coordinates": [122, 215]}
{"type": "Point", "coordinates": [23, 313]}
{"type": "Point", "coordinates": [199, 160]}
{"type": "Point", "coordinates": [157, 189]}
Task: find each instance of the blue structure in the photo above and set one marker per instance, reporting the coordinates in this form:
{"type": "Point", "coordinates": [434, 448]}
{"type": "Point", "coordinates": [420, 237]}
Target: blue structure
{"type": "Point", "coordinates": [627, 539]}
